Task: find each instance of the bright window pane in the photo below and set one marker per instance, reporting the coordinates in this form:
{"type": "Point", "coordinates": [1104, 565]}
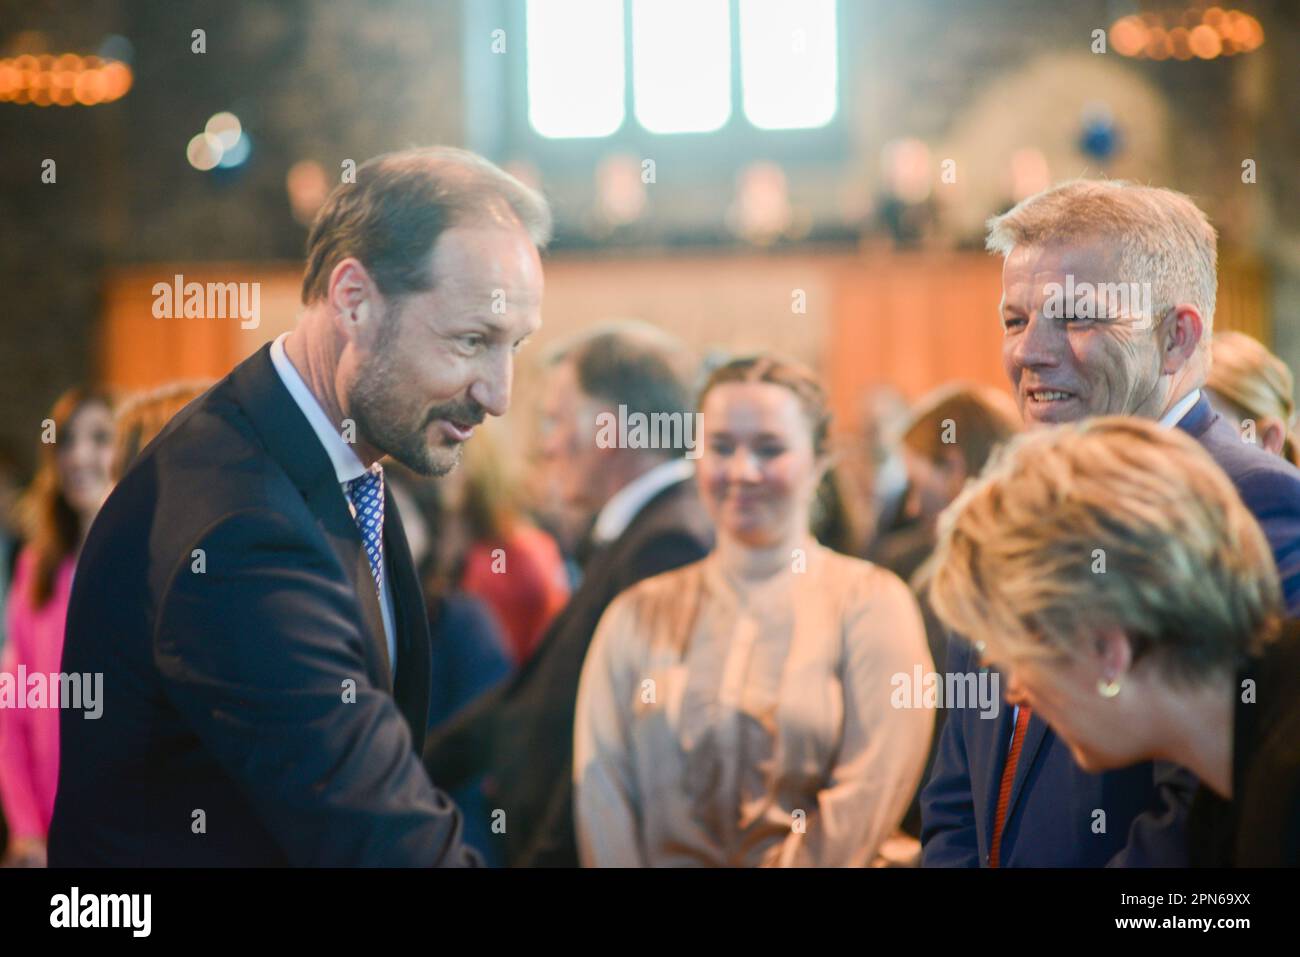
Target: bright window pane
{"type": "Point", "coordinates": [575, 67]}
{"type": "Point", "coordinates": [681, 64]}
{"type": "Point", "coordinates": [787, 58]}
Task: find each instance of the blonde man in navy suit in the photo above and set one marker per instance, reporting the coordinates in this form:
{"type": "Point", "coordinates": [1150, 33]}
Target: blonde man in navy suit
{"type": "Point", "coordinates": [1107, 309]}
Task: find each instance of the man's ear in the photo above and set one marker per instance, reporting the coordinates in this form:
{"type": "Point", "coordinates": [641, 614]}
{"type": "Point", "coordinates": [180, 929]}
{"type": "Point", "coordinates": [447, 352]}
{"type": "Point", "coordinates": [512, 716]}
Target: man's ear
{"type": "Point", "coordinates": [354, 298]}
{"type": "Point", "coordinates": [1272, 435]}
{"type": "Point", "coordinates": [1182, 336]}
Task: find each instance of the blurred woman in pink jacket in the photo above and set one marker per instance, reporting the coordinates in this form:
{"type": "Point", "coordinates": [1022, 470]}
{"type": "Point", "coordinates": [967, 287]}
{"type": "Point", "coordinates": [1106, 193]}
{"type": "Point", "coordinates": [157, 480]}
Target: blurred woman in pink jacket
{"type": "Point", "coordinates": [71, 483]}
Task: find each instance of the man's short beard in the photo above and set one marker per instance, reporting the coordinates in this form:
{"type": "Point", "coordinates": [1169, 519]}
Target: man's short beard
{"type": "Point", "coordinates": [373, 401]}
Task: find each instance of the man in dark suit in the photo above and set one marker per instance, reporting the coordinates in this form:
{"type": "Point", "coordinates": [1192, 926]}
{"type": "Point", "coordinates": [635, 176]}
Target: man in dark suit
{"type": "Point", "coordinates": [1107, 307]}
{"type": "Point", "coordinates": [648, 520]}
{"type": "Point", "coordinates": [247, 591]}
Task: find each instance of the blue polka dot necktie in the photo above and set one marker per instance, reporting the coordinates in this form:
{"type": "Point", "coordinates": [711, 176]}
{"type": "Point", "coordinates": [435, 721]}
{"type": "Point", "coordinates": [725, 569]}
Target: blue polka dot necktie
{"type": "Point", "coordinates": [367, 497]}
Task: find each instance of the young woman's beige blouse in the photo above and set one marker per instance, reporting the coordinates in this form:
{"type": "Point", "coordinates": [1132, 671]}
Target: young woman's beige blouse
{"type": "Point", "coordinates": [729, 724]}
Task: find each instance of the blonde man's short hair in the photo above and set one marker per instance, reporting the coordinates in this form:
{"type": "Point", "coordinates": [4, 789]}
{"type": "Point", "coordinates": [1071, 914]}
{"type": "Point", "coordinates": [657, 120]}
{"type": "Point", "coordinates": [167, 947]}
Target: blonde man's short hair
{"type": "Point", "coordinates": [1163, 237]}
{"type": "Point", "coordinates": [1111, 522]}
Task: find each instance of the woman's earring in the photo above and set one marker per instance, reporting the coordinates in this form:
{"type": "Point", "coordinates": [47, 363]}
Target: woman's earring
{"type": "Point", "coordinates": [1108, 689]}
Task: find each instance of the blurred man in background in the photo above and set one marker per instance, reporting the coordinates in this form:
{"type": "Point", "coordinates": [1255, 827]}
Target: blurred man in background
{"type": "Point", "coordinates": [645, 519]}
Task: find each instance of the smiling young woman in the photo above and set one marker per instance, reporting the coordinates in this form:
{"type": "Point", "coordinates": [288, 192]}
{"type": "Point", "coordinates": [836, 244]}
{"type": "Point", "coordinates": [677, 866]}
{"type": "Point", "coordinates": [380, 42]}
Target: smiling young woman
{"type": "Point", "coordinates": [736, 712]}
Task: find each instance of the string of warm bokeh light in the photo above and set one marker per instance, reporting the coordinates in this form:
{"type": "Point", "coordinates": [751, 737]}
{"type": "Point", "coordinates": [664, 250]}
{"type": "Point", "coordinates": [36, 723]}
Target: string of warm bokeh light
{"type": "Point", "coordinates": [66, 80]}
{"type": "Point", "coordinates": [1193, 33]}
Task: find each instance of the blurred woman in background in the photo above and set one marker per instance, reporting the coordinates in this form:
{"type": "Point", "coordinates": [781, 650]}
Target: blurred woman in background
{"type": "Point", "coordinates": [71, 483]}
{"type": "Point", "coordinates": [469, 652]}
{"type": "Point", "coordinates": [1248, 384]}
{"type": "Point", "coordinates": [1176, 652]}
{"type": "Point", "coordinates": [514, 567]}
{"type": "Point", "coordinates": [141, 417]}
{"type": "Point", "coordinates": [737, 711]}
{"type": "Point", "coordinates": [946, 442]}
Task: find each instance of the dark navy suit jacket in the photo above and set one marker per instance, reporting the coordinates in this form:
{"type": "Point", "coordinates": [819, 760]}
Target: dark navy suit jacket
{"type": "Point", "coordinates": [250, 716]}
{"type": "Point", "coordinates": [1052, 817]}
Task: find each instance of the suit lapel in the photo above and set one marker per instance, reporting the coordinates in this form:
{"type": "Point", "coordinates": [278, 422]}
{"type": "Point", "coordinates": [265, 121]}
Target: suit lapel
{"type": "Point", "coordinates": [600, 554]}
{"type": "Point", "coordinates": [1198, 418]}
{"type": "Point", "coordinates": [602, 560]}
{"type": "Point", "coordinates": [290, 441]}
{"type": "Point", "coordinates": [341, 530]}
{"type": "Point", "coordinates": [411, 625]}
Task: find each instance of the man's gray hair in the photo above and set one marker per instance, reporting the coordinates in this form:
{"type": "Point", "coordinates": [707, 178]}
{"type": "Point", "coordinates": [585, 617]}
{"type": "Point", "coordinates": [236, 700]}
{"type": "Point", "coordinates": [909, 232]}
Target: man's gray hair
{"type": "Point", "coordinates": [1163, 238]}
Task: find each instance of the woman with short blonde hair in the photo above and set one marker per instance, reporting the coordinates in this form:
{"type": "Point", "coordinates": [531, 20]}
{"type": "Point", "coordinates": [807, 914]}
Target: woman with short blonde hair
{"type": "Point", "coordinates": [1112, 572]}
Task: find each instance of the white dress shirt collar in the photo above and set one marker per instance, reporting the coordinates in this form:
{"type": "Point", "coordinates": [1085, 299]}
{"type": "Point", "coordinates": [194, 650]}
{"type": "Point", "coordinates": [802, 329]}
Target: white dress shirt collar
{"type": "Point", "coordinates": [1180, 409]}
{"type": "Point", "coordinates": [346, 464]}
{"type": "Point", "coordinates": [625, 504]}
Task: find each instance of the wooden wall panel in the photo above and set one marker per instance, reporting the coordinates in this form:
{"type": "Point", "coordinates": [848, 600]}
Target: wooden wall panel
{"type": "Point", "coordinates": [1243, 300]}
{"type": "Point", "coordinates": [139, 351]}
{"type": "Point", "coordinates": [914, 321]}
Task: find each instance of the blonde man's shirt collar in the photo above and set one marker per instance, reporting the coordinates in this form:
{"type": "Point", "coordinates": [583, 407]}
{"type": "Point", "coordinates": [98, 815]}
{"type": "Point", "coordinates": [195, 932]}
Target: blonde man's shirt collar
{"type": "Point", "coordinates": [1180, 409]}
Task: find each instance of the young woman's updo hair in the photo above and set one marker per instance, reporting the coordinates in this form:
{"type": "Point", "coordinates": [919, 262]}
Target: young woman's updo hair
{"type": "Point", "coordinates": [796, 377]}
